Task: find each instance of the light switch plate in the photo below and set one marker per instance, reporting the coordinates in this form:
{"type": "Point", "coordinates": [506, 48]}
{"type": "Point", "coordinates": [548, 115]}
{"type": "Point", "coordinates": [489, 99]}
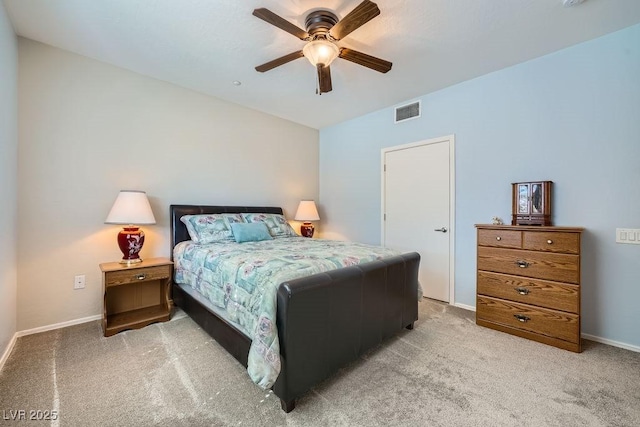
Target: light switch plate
{"type": "Point", "coordinates": [628, 235]}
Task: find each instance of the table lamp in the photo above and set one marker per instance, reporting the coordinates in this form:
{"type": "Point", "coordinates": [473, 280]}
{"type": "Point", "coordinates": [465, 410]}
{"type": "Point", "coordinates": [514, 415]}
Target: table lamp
{"type": "Point", "coordinates": [307, 212]}
{"type": "Point", "coordinates": [131, 208]}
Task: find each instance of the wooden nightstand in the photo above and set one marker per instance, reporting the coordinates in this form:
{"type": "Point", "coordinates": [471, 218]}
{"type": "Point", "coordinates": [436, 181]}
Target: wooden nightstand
{"type": "Point", "coordinates": [135, 295]}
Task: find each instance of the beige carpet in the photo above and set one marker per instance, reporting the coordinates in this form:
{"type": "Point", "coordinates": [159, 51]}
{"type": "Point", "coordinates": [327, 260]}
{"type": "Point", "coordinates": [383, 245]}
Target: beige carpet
{"type": "Point", "coordinates": [446, 372]}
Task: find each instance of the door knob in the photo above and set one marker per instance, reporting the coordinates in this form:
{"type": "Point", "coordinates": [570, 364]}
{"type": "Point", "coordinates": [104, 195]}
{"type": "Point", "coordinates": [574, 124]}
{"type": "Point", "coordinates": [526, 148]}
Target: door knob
{"type": "Point", "coordinates": [443, 229]}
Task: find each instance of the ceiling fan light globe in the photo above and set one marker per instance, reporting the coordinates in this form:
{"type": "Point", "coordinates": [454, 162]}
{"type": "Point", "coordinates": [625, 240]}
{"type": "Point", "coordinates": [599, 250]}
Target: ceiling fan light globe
{"type": "Point", "coordinates": [321, 52]}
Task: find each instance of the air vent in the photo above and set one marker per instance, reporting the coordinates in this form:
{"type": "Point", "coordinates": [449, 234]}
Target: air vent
{"type": "Point", "coordinates": [407, 112]}
{"type": "Point", "coordinates": [569, 3]}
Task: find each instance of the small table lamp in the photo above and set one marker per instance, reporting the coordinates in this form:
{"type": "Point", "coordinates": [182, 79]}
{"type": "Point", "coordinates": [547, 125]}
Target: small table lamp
{"type": "Point", "coordinates": [131, 207]}
{"type": "Point", "coordinates": [307, 212]}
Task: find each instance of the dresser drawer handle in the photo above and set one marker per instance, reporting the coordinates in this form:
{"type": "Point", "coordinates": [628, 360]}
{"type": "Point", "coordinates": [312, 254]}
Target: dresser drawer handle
{"type": "Point", "coordinates": [522, 291]}
{"type": "Point", "coordinates": [521, 318]}
{"type": "Point", "coordinates": [141, 276]}
{"type": "Point", "coordinates": [550, 241]}
{"type": "Point", "coordinates": [498, 238]}
{"type": "Point", "coordinates": [522, 264]}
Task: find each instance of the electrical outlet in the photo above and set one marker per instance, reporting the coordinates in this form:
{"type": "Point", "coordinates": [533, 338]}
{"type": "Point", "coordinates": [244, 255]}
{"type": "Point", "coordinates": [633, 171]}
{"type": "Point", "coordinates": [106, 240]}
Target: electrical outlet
{"type": "Point", "coordinates": [78, 282]}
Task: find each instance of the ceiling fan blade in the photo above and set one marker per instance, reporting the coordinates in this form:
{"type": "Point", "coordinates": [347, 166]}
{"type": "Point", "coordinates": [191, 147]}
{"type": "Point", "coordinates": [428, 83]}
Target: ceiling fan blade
{"type": "Point", "coordinates": [363, 13]}
{"type": "Point", "coordinates": [324, 79]}
{"type": "Point", "coordinates": [283, 24]}
{"type": "Point", "coordinates": [279, 61]}
{"type": "Point", "coordinates": [365, 60]}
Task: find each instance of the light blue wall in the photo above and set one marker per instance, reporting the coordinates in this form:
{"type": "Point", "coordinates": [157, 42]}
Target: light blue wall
{"type": "Point", "coordinates": [572, 117]}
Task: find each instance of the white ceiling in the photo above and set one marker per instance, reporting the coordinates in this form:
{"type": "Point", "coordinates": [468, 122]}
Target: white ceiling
{"type": "Point", "coordinates": [206, 45]}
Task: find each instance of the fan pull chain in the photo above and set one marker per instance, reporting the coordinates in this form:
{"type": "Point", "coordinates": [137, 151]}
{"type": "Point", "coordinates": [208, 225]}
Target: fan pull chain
{"type": "Point", "coordinates": [318, 91]}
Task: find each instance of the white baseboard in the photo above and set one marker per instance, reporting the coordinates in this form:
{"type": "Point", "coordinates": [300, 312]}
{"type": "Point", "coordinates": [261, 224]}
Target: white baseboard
{"type": "Point", "coordinates": [19, 334]}
{"type": "Point", "coordinates": [59, 325]}
{"type": "Point", "coordinates": [8, 350]}
{"type": "Point", "coordinates": [464, 306]}
{"type": "Point", "coordinates": [611, 342]}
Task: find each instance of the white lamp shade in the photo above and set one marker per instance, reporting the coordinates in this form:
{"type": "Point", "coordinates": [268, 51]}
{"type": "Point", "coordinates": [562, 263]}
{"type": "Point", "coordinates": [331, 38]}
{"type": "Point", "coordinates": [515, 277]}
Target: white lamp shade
{"type": "Point", "coordinates": [131, 207]}
{"type": "Point", "coordinates": [320, 52]}
{"type": "Point", "coordinates": [307, 211]}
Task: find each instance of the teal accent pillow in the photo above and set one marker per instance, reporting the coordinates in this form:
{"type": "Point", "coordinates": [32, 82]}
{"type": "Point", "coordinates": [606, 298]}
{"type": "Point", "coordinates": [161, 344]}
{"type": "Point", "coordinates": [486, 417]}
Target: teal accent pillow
{"type": "Point", "coordinates": [276, 223]}
{"type": "Point", "coordinates": [250, 232]}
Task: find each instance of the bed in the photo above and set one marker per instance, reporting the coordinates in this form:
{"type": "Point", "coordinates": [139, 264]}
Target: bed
{"type": "Point", "coordinates": [323, 321]}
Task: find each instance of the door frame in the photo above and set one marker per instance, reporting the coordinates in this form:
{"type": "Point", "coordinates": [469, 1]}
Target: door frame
{"type": "Point", "coordinates": [452, 199]}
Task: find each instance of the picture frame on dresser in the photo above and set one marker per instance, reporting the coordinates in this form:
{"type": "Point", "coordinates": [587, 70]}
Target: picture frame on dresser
{"type": "Point", "coordinates": [531, 203]}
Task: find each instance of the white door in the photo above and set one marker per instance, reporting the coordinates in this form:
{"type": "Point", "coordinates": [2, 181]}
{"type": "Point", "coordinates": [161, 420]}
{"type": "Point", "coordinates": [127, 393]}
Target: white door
{"type": "Point", "coordinates": [417, 203]}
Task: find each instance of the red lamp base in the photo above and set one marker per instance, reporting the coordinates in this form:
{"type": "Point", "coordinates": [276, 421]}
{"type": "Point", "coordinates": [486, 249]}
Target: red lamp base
{"type": "Point", "coordinates": [130, 241]}
{"type": "Point", "coordinates": [306, 229]}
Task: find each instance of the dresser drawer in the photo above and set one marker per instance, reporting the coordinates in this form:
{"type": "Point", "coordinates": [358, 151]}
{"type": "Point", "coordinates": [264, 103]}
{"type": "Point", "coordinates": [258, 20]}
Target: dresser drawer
{"type": "Point", "coordinates": [500, 238]}
{"type": "Point", "coordinates": [114, 278]}
{"type": "Point", "coordinates": [538, 265]}
{"type": "Point", "coordinates": [550, 323]}
{"type": "Point", "coordinates": [551, 241]}
{"type": "Point", "coordinates": [543, 293]}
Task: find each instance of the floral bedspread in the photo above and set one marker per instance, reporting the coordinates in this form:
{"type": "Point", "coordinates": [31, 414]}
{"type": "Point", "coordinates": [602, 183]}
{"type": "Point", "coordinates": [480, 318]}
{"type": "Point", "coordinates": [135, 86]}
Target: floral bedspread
{"type": "Point", "coordinates": [243, 278]}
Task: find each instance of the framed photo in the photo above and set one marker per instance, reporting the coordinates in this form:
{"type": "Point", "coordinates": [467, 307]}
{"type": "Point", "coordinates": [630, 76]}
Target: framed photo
{"type": "Point", "coordinates": [531, 203]}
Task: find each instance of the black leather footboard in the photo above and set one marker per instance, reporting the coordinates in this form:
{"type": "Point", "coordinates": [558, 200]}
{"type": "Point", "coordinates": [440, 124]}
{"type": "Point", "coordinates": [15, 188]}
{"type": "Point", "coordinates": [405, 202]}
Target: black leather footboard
{"type": "Point", "coordinates": [330, 319]}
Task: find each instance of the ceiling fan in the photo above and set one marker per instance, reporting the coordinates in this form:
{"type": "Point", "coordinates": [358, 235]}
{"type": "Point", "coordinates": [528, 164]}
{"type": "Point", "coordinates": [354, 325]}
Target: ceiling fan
{"type": "Point", "coordinates": [323, 30]}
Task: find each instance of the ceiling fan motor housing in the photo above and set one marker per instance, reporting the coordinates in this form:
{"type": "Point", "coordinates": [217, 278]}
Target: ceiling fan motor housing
{"type": "Point", "coordinates": [320, 22]}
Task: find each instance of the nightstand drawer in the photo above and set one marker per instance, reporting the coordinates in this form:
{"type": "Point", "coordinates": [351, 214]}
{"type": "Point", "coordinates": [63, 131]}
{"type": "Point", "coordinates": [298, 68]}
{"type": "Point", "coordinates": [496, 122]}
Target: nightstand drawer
{"type": "Point", "coordinates": [551, 241]}
{"type": "Point", "coordinates": [550, 323]}
{"type": "Point", "coordinates": [132, 275]}
{"type": "Point", "coordinates": [543, 293]}
{"type": "Point", "coordinates": [500, 238]}
{"type": "Point", "coordinates": [538, 265]}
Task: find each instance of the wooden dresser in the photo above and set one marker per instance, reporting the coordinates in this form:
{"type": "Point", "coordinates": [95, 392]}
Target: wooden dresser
{"type": "Point", "coordinates": [528, 282]}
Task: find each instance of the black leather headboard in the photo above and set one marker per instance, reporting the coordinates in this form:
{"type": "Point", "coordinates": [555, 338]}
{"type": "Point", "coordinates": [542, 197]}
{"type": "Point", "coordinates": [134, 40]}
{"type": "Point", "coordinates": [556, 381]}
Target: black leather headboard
{"type": "Point", "coordinates": [179, 230]}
